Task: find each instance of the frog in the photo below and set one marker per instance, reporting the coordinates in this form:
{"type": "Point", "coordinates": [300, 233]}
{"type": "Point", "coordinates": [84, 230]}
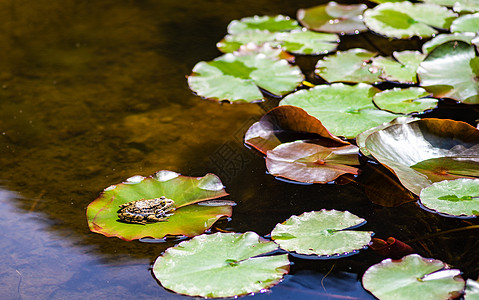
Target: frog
{"type": "Point", "coordinates": [145, 211]}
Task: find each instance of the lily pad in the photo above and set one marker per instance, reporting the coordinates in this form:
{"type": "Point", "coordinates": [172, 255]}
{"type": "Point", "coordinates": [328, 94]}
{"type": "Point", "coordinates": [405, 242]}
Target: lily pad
{"type": "Point", "coordinates": [451, 70]}
{"type": "Point", "coordinates": [324, 233]}
{"type": "Point", "coordinates": [405, 101]}
{"type": "Point", "coordinates": [233, 42]}
{"type": "Point", "coordinates": [401, 68]}
{"type": "Point", "coordinates": [472, 290]}
{"type": "Point", "coordinates": [432, 139]}
{"type": "Point", "coordinates": [334, 17]}
{"type": "Point", "coordinates": [188, 219]}
{"type": "Point", "coordinates": [458, 5]}
{"type": "Point", "coordinates": [458, 197]}
{"type": "Point", "coordinates": [231, 265]}
{"type": "Point", "coordinates": [443, 38]}
{"type": "Point", "coordinates": [411, 276]}
{"type": "Point", "coordinates": [405, 19]}
{"type": "Point", "coordinates": [307, 162]}
{"type": "Point", "coordinates": [466, 23]}
{"type": "Point", "coordinates": [241, 78]}
{"type": "Point", "coordinates": [348, 66]}
{"type": "Point", "coordinates": [269, 23]}
{"type": "Point", "coordinates": [449, 168]}
{"type": "Point", "coordinates": [344, 110]}
{"type": "Point", "coordinates": [287, 123]}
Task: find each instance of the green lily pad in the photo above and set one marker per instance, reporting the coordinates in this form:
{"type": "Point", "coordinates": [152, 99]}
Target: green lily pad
{"type": "Point", "coordinates": [401, 68]}
{"type": "Point", "coordinates": [405, 101]}
{"type": "Point", "coordinates": [188, 219]}
{"type": "Point", "coordinates": [240, 78]}
{"type": "Point", "coordinates": [472, 290]}
{"type": "Point", "coordinates": [269, 23]}
{"type": "Point", "coordinates": [448, 168]}
{"type": "Point", "coordinates": [458, 197]}
{"type": "Point", "coordinates": [458, 5]}
{"type": "Point", "coordinates": [451, 70]}
{"type": "Point", "coordinates": [233, 42]}
{"type": "Point", "coordinates": [439, 139]}
{"type": "Point", "coordinates": [334, 17]}
{"type": "Point", "coordinates": [348, 66]}
{"type": "Point", "coordinates": [344, 110]}
{"type": "Point", "coordinates": [231, 265]}
{"type": "Point", "coordinates": [405, 20]}
{"type": "Point", "coordinates": [324, 233]}
{"type": "Point", "coordinates": [411, 276]}
{"type": "Point", "coordinates": [466, 23]}
{"type": "Point", "coordinates": [287, 123]}
{"type": "Point", "coordinates": [443, 38]}
{"type": "Point", "coordinates": [307, 162]}
{"type": "Point", "coordinates": [361, 138]}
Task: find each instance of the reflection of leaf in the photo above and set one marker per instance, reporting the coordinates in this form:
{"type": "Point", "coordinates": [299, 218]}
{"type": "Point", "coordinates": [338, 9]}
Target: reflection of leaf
{"type": "Point", "coordinates": [189, 218]}
{"type": "Point", "coordinates": [231, 265]}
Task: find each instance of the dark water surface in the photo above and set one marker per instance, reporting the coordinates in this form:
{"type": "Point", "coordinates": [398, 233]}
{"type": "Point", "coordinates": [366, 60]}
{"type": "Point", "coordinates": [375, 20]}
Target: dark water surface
{"type": "Point", "coordinates": [94, 92]}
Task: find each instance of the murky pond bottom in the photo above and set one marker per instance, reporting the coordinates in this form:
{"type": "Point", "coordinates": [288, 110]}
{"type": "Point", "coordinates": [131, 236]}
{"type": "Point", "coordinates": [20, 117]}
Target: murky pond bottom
{"type": "Point", "coordinates": [94, 92]}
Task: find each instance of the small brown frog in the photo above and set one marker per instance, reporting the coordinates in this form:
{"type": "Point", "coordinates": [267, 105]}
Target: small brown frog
{"type": "Point", "coordinates": [146, 210]}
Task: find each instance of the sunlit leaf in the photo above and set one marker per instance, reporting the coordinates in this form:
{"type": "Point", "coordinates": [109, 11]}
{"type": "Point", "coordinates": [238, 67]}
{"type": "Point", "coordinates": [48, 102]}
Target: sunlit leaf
{"type": "Point", "coordinates": [188, 219]}
{"type": "Point", "coordinates": [458, 197]}
{"type": "Point", "coordinates": [269, 23]}
{"type": "Point", "coordinates": [443, 38]}
{"type": "Point", "coordinates": [405, 101]}
{"type": "Point", "coordinates": [472, 290]}
{"type": "Point", "coordinates": [451, 70]}
{"type": "Point", "coordinates": [308, 162]}
{"type": "Point", "coordinates": [344, 110]}
{"type": "Point", "coordinates": [348, 66]}
{"type": "Point", "coordinates": [458, 5]}
{"type": "Point", "coordinates": [405, 20]}
{"type": "Point", "coordinates": [288, 123]}
{"type": "Point", "coordinates": [221, 265]}
{"type": "Point", "coordinates": [307, 42]}
{"type": "Point", "coordinates": [233, 42]}
{"type": "Point", "coordinates": [241, 78]}
{"type": "Point", "coordinates": [466, 23]}
{"type": "Point", "coordinates": [431, 139]}
{"type": "Point", "coordinates": [411, 276]}
{"type": "Point", "coordinates": [333, 17]}
{"type": "Point", "coordinates": [401, 69]}
{"type": "Point", "coordinates": [449, 168]}
{"type": "Point", "coordinates": [324, 233]}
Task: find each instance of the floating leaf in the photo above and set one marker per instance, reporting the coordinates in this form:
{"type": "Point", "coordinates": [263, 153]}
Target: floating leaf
{"type": "Point", "coordinates": [308, 162]}
{"type": "Point", "coordinates": [233, 42]}
{"type": "Point", "coordinates": [268, 23]}
{"type": "Point", "coordinates": [240, 78]}
{"type": "Point", "coordinates": [287, 123]}
{"type": "Point", "coordinates": [472, 290]}
{"type": "Point", "coordinates": [405, 20]}
{"type": "Point", "coordinates": [411, 276]}
{"type": "Point", "coordinates": [334, 17]}
{"type": "Point", "coordinates": [449, 168]}
{"type": "Point", "coordinates": [347, 66]}
{"type": "Point", "coordinates": [189, 219]}
{"type": "Point", "coordinates": [443, 38]}
{"type": "Point", "coordinates": [401, 69]}
{"type": "Point", "coordinates": [323, 233]}
{"type": "Point", "coordinates": [458, 197]}
{"type": "Point", "coordinates": [404, 101]}
{"type": "Point", "coordinates": [391, 248]}
{"type": "Point", "coordinates": [458, 5]}
{"type": "Point", "coordinates": [432, 138]}
{"type": "Point", "coordinates": [466, 23]}
{"type": "Point", "coordinates": [307, 42]}
{"type": "Point", "coordinates": [231, 265]}
{"type": "Point", "coordinates": [451, 70]}
{"type": "Point", "coordinates": [343, 109]}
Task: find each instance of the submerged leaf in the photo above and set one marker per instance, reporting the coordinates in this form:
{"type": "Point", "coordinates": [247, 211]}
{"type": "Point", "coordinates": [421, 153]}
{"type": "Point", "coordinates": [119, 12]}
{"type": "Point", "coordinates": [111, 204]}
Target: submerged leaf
{"type": "Point", "coordinates": [287, 123]}
{"type": "Point", "coordinates": [411, 276]}
{"type": "Point", "coordinates": [343, 109]}
{"type": "Point", "coordinates": [308, 162]}
{"type": "Point", "coordinates": [323, 233]}
{"type": "Point", "coordinates": [451, 70]}
{"type": "Point", "coordinates": [334, 17]}
{"type": "Point", "coordinates": [404, 101]}
{"type": "Point", "coordinates": [458, 197]}
{"type": "Point", "coordinates": [231, 265]}
{"type": "Point", "coordinates": [188, 219]}
{"type": "Point", "coordinates": [240, 78]}
{"type": "Point", "coordinates": [391, 248]}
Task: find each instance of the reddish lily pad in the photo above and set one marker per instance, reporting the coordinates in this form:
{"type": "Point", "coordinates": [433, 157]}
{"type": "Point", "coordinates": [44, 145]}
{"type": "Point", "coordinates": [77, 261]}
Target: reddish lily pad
{"type": "Point", "coordinates": [287, 123]}
{"type": "Point", "coordinates": [312, 163]}
{"type": "Point", "coordinates": [439, 141]}
{"type": "Point", "coordinates": [188, 219]}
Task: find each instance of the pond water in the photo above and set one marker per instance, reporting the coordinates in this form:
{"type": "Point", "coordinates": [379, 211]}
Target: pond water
{"type": "Point", "coordinates": [94, 92]}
